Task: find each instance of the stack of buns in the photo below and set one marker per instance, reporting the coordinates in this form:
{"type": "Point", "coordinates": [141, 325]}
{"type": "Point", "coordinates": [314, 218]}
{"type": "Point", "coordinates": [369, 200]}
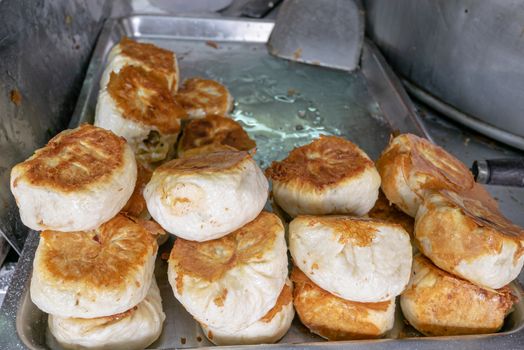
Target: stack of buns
{"type": "Point", "coordinates": [93, 193]}
{"type": "Point", "coordinates": [228, 266]}
{"type": "Point", "coordinates": [469, 251]}
{"type": "Point", "coordinates": [348, 269]}
{"type": "Point", "coordinates": [93, 268]}
{"type": "Point", "coordinates": [137, 99]}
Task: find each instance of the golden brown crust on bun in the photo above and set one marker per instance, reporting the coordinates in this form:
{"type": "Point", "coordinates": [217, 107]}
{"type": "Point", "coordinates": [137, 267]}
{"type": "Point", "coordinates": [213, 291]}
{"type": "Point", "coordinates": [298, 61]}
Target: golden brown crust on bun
{"type": "Point", "coordinates": [136, 205]}
{"type": "Point", "coordinates": [210, 260]}
{"type": "Point", "coordinates": [101, 258]}
{"type": "Point", "coordinates": [437, 303]}
{"type": "Point", "coordinates": [325, 162]}
{"type": "Point", "coordinates": [384, 210]}
{"type": "Point", "coordinates": [214, 130]}
{"type": "Point", "coordinates": [74, 160]}
{"type": "Point", "coordinates": [205, 163]}
{"type": "Point", "coordinates": [411, 165]}
{"type": "Point", "coordinates": [461, 228]}
{"type": "Point", "coordinates": [332, 317]}
{"type": "Point", "coordinates": [204, 94]}
{"type": "Point", "coordinates": [150, 55]}
{"type": "Point", "coordinates": [144, 97]}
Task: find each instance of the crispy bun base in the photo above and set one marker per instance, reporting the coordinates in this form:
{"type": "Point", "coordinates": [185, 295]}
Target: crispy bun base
{"type": "Point", "coordinates": [437, 303]}
{"type": "Point", "coordinates": [335, 318]}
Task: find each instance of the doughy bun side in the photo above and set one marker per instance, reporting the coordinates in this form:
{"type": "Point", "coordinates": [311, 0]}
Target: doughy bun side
{"type": "Point", "coordinates": [206, 196]}
{"type": "Point", "coordinates": [79, 180]}
{"type": "Point", "coordinates": [269, 329]}
{"type": "Point", "coordinates": [464, 237]}
{"type": "Point", "coordinates": [353, 258]}
{"type": "Point", "coordinates": [335, 318]}
{"type": "Point", "coordinates": [231, 282]}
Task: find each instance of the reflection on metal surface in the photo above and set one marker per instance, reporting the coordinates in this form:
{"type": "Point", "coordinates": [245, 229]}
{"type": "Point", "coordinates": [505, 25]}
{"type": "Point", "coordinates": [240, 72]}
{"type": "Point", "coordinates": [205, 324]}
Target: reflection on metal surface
{"type": "Point", "coordinates": [466, 53]}
{"type": "Point", "coordinates": [45, 47]}
{"type": "Point", "coordinates": [474, 123]}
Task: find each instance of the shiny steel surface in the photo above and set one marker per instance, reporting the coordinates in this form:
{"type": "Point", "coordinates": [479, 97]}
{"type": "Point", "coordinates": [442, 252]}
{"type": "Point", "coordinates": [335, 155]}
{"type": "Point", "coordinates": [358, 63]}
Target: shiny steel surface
{"type": "Point", "coordinates": [464, 54]}
{"type": "Point", "coordinates": [328, 33]}
{"type": "Point", "coordinates": [281, 105]}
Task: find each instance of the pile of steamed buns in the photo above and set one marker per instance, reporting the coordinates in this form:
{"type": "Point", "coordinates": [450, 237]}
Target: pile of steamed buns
{"type": "Point", "coordinates": [105, 195]}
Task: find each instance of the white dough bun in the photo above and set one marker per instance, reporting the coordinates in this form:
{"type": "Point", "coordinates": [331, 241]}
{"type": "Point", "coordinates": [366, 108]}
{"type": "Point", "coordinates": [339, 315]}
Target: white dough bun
{"type": "Point", "coordinates": [353, 258]}
{"type": "Point", "coordinates": [231, 282]}
{"type": "Point", "coordinates": [465, 237]}
{"type": "Point", "coordinates": [79, 180]}
{"type": "Point", "coordinates": [269, 329]}
{"type": "Point", "coordinates": [206, 196]}
{"type": "Point", "coordinates": [96, 273]}
{"type": "Point", "coordinates": [138, 105]}
{"type": "Point", "coordinates": [133, 329]}
{"type": "Point", "coordinates": [328, 176]}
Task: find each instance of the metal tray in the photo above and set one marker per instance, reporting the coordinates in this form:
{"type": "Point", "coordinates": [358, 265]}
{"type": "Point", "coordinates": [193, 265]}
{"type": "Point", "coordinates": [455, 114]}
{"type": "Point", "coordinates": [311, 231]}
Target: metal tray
{"type": "Point", "coordinates": [282, 105]}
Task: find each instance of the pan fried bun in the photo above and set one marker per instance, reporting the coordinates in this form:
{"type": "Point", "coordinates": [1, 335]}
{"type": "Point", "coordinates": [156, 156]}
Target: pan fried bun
{"type": "Point", "coordinates": [329, 176]}
{"type": "Point", "coordinates": [462, 236]}
{"type": "Point", "coordinates": [384, 210]}
{"type": "Point", "coordinates": [135, 328]}
{"type": "Point", "coordinates": [95, 273]}
{"type": "Point", "coordinates": [147, 56]}
{"type": "Point", "coordinates": [231, 282]}
{"type": "Point", "coordinates": [269, 329]}
{"type": "Point", "coordinates": [437, 303]}
{"type": "Point", "coordinates": [138, 105]}
{"type": "Point", "coordinates": [214, 130]}
{"type": "Point", "coordinates": [353, 258]}
{"type": "Point", "coordinates": [410, 165]}
{"type": "Point", "coordinates": [211, 148]}
{"type": "Point", "coordinates": [207, 196]}
{"type": "Point", "coordinates": [335, 318]}
{"type": "Point", "coordinates": [136, 205]}
{"type": "Point", "coordinates": [79, 180]}
{"type": "Point", "coordinates": [201, 97]}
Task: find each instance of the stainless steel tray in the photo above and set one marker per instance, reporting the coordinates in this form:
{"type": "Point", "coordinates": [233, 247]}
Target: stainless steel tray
{"type": "Point", "coordinates": [282, 105]}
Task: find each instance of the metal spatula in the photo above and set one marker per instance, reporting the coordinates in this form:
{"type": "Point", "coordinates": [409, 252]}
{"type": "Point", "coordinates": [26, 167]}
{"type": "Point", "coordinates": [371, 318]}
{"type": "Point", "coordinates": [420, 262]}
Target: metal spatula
{"type": "Point", "coordinates": [328, 33]}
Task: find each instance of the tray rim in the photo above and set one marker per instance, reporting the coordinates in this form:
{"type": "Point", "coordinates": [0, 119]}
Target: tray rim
{"type": "Point", "coordinates": [373, 65]}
